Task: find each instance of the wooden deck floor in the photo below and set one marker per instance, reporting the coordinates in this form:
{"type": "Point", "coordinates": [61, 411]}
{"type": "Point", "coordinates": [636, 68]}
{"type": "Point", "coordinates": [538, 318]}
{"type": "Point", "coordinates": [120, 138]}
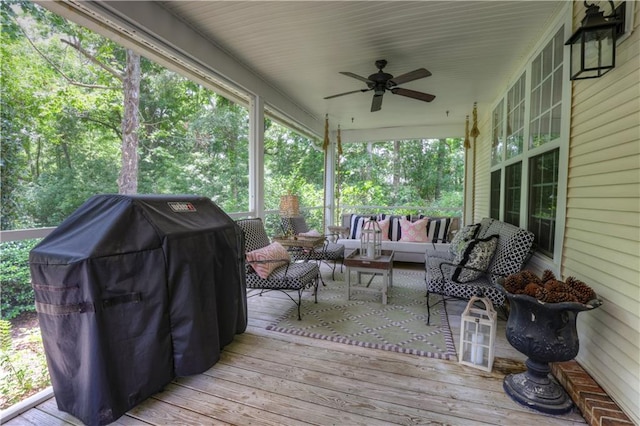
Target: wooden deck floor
{"type": "Point", "coordinates": [270, 378]}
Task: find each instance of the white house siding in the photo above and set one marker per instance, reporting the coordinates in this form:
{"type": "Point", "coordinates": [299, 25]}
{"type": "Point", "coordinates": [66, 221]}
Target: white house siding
{"type": "Point", "coordinates": [482, 167]}
{"type": "Point", "coordinates": [602, 236]}
{"type": "Point", "coordinates": [602, 230]}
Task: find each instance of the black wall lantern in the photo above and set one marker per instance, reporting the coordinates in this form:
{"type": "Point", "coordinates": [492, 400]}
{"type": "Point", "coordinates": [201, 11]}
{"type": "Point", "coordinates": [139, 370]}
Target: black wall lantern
{"type": "Point", "coordinates": [593, 45]}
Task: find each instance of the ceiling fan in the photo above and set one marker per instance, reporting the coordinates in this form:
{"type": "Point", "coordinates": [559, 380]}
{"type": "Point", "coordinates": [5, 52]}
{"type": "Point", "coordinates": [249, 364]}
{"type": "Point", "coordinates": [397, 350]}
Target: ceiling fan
{"type": "Point", "coordinates": [381, 81]}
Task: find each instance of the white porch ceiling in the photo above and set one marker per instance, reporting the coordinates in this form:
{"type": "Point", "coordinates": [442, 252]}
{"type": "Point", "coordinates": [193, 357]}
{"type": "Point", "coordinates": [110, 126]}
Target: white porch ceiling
{"type": "Point", "coordinates": [472, 49]}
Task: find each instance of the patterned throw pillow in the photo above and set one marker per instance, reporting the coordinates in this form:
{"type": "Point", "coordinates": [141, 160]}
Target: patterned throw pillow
{"type": "Point", "coordinates": [273, 251]}
{"type": "Point", "coordinates": [467, 233]}
{"type": "Point", "coordinates": [384, 228]}
{"type": "Point", "coordinates": [414, 231]}
{"type": "Point", "coordinates": [475, 254]}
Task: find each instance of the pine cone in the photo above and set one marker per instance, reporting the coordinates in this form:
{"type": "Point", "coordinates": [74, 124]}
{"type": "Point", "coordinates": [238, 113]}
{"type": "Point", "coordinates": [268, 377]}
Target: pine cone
{"type": "Point", "coordinates": [560, 296]}
{"type": "Point", "coordinates": [557, 286]}
{"type": "Point", "coordinates": [530, 277]}
{"type": "Point", "coordinates": [547, 275]}
{"type": "Point", "coordinates": [542, 294]}
{"type": "Point", "coordinates": [532, 289]}
{"type": "Point", "coordinates": [582, 292]}
{"type": "Point", "coordinates": [514, 284]}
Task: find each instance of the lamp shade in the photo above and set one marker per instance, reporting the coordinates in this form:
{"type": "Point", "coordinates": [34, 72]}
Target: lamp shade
{"type": "Point", "coordinates": [289, 206]}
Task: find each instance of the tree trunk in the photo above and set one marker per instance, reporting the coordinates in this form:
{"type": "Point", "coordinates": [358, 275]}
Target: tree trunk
{"type": "Point", "coordinates": [440, 167]}
{"type": "Point", "coordinates": [67, 157]}
{"type": "Point", "coordinates": [128, 179]}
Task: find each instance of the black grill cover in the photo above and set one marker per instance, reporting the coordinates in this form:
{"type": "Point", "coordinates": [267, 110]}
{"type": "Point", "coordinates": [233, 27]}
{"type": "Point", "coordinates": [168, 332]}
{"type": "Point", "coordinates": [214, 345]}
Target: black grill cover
{"type": "Point", "coordinates": [132, 291]}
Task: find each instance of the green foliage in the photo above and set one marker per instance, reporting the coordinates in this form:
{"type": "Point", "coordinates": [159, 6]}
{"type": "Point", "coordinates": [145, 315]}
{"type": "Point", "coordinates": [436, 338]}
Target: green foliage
{"type": "Point", "coordinates": [23, 367]}
{"type": "Point", "coordinates": [15, 279]}
{"type": "Point", "coordinates": [5, 336]}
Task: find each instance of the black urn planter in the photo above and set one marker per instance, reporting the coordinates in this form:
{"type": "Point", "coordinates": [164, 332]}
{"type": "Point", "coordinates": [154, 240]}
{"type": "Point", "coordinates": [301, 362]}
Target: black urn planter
{"type": "Point", "coordinates": [544, 332]}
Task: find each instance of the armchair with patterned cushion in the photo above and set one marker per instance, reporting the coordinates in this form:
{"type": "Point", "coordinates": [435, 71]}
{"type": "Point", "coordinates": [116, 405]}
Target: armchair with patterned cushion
{"type": "Point", "coordinates": [269, 266]}
{"type": "Point", "coordinates": [476, 258]}
{"type": "Point", "coordinates": [329, 252]}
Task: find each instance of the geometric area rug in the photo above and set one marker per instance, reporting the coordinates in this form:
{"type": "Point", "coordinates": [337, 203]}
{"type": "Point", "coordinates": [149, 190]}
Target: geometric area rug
{"type": "Point", "coordinates": [399, 326]}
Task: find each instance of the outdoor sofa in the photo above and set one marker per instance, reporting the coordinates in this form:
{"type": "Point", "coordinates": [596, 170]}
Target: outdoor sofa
{"type": "Point", "coordinates": [438, 231]}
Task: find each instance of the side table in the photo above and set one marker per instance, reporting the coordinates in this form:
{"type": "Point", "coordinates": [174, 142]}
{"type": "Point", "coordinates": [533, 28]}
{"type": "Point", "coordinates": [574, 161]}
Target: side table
{"type": "Point", "coordinates": [383, 265]}
{"type": "Point", "coordinates": [338, 232]}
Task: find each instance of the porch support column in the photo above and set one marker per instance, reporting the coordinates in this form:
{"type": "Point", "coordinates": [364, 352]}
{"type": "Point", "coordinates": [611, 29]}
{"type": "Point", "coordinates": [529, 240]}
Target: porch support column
{"type": "Point", "coordinates": [330, 182]}
{"type": "Point", "coordinates": [256, 157]}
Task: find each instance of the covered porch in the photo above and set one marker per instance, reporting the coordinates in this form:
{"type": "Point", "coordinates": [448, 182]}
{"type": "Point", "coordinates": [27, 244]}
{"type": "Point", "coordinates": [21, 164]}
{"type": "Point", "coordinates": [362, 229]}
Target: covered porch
{"type": "Point", "coordinates": [478, 52]}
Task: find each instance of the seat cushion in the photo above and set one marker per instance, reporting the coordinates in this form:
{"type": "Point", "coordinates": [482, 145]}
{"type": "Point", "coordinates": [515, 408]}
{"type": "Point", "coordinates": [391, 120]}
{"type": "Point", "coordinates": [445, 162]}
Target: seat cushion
{"type": "Point", "coordinates": [436, 282]}
{"type": "Point", "coordinates": [294, 276]}
{"type": "Point", "coordinates": [330, 251]}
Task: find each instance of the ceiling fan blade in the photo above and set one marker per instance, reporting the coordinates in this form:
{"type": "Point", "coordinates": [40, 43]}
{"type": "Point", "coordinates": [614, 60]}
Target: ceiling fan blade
{"type": "Point", "coordinates": [410, 76]}
{"type": "Point", "coordinates": [413, 94]}
{"type": "Point", "coordinates": [347, 93]}
{"type": "Point", "coordinates": [376, 104]}
{"type": "Point", "coordinates": [356, 76]}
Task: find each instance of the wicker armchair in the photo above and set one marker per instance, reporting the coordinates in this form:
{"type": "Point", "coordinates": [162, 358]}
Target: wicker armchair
{"type": "Point", "coordinates": [291, 276]}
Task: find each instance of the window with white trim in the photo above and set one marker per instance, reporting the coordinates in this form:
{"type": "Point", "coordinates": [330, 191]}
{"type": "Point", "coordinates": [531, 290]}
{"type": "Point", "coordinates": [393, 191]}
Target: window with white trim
{"type": "Point", "coordinates": [525, 176]}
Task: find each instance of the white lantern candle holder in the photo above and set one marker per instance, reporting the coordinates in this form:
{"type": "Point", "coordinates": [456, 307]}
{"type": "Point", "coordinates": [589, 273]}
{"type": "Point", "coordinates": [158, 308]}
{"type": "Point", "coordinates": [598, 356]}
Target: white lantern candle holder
{"type": "Point", "coordinates": [478, 334]}
{"type": "Point", "coordinates": [371, 240]}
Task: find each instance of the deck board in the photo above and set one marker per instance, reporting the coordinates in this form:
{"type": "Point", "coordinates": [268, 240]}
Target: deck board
{"type": "Point", "coordinates": [269, 378]}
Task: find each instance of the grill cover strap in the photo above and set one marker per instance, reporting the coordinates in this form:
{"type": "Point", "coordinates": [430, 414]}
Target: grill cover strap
{"type": "Point", "coordinates": [75, 308]}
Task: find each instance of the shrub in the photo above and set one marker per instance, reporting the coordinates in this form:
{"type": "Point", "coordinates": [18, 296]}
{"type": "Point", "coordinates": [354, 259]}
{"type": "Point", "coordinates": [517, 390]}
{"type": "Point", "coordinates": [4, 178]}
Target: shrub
{"type": "Point", "coordinates": [15, 279]}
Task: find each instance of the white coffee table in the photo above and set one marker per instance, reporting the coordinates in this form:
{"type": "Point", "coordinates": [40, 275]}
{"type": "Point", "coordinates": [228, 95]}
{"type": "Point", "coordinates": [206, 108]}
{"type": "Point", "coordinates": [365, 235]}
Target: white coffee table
{"type": "Point", "coordinates": [382, 265]}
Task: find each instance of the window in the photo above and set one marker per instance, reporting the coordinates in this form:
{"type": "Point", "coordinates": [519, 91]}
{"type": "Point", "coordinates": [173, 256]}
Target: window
{"type": "Point", "coordinates": [495, 195]}
{"type": "Point", "coordinates": [497, 146]}
{"type": "Point", "coordinates": [512, 189]}
{"type": "Point", "coordinates": [543, 196]}
{"type": "Point", "coordinates": [515, 118]}
{"type": "Point", "coordinates": [546, 94]}
{"type": "Point", "coordinates": [531, 110]}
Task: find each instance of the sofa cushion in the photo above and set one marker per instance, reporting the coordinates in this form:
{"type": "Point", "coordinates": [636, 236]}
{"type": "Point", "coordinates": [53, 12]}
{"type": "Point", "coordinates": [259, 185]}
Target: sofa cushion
{"type": "Point", "coordinates": [355, 225]}
{"type": "Point", "coordinates": [512, 253]}
{"type": "Point", "coordinates": [437, 228]}
{"type": "Point", "coordinates": [384, 229]}
{"type": "Point", "coordinates": [414, 231]}
{"type": "Point", "coordinates": [477, 254]}
{"type": "Point", "coordinates": [395, 231]}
